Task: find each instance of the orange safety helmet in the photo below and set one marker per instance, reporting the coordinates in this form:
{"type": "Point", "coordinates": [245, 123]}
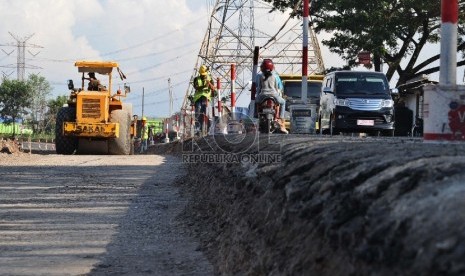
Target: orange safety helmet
{"type": "Point", "coordinates": [267, 65]}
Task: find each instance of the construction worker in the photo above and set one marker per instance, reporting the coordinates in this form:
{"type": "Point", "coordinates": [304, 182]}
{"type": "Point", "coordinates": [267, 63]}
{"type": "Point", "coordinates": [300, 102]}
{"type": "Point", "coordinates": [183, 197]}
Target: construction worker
{"type": "Point", "coordinates": [94, 83]}
{"type": "Point", "coordinates": [144, 135]}
{"type": "Point", "coordinates": [269, 84]}
{"type": "Point", "coordinates": [204, 88]}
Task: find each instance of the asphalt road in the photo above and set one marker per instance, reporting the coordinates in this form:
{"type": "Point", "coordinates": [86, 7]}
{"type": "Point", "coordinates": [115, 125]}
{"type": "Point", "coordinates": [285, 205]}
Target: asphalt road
{"type": "Point", "coordinates": [94, 215]}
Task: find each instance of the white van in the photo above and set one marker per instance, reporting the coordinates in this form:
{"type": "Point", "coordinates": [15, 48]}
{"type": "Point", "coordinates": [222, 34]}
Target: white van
{"type": "Point", "coordinates": [356, 101]}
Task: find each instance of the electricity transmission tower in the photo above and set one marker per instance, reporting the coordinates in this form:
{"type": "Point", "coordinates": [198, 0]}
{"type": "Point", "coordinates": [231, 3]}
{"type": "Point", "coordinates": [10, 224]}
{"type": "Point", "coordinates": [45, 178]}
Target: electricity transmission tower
{"type": "Point", "coordinates": [21, 45]}
{"type": "Point", "coordinates": [235, 28]}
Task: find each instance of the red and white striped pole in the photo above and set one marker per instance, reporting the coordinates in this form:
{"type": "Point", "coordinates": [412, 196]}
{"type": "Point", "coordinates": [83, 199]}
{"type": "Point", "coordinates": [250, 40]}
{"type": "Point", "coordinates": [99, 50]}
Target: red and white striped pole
{"type": "Point", "coordinates": [193, 119]}
{"type": "Point", "coordinates": [183, 122]}
{"type": "Point", "coordinates": [167, 138]}
{"type": "Point", "coordinates": [233, 89]}
{"type": "Point", "coordinates": [177, 126]}
{"type": "Point", "coordinates": [448, 63]}
{"type": "Point", "coordinates": [443, 106]}
{"type": "Point", "coordinates": [220, 107]}
{"type": "Point", "coordinates": [305, 50]}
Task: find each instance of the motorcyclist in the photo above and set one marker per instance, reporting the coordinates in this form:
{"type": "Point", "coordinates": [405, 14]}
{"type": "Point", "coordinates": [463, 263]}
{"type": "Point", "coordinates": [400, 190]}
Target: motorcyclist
{"type": "Point", "coordinates": [269, 84]}
{"type": "Point", "coordinates": [204, 88]}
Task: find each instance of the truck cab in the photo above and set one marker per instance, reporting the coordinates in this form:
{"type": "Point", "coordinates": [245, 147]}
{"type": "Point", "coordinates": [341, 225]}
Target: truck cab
{"type": "Point", "coordinates": [293, 92]}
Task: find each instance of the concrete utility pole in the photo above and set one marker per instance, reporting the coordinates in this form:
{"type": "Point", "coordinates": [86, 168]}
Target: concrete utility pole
{"type": "Point", "coordinates": [170, 90]}
{"type": "Point", "coordinates": [168, 120]}
{"type": "Point", "coordinates": [21, 46]}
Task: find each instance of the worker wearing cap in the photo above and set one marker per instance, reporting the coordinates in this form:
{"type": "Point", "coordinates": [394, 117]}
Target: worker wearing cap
{"type": "Point", "coordinates": [204, 88]}
{"type": "Point", "coordinates": [144, 135]}
{"type": "Point", "coordinates": [94, 83]}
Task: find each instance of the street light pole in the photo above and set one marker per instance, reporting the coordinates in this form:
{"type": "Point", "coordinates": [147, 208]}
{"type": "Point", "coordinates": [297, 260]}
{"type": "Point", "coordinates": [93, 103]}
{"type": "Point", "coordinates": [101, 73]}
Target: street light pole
{"type": "Point", "coordinates": [168, 120]}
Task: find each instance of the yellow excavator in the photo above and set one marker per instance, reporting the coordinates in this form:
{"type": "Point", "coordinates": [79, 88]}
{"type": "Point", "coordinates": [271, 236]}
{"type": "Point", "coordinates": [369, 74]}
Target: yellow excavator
{"type": "Point", "coordinates": [96, 121]}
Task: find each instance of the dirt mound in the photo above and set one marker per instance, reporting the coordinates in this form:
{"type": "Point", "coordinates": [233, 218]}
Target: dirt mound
{"type": "Point", "coordinates": [330, 207]}
{"type": "Point", "coordinates": [9, 147]}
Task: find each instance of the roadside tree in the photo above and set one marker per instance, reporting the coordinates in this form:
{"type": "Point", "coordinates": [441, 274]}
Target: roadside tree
{"type": "Point", "coordinates": [15, 99]}
{"type": "Point", "coordinates": [40, 91]}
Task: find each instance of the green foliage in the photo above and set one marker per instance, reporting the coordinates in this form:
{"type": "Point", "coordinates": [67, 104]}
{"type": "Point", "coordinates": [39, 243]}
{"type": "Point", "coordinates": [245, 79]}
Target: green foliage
{"type": "Point", "coordinates": [40, 91]}
{"type": "Point", "coordinates": [53, 106]}
{"type": "Point", "coordinates": [390, 30]}
{"type": "Point", "coordinates": [15, 99]}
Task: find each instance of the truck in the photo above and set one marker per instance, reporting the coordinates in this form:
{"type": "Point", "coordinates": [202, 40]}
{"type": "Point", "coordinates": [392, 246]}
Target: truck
{"type": "Point", "coordinates": [292, 91]}
{"type": "Point", "coordinates": [95, 120]}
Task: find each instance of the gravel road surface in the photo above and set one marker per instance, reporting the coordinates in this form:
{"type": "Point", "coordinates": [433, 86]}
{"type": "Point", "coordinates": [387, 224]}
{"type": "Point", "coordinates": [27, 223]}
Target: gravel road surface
{"type": "Point", "coordinates": [94, 215]}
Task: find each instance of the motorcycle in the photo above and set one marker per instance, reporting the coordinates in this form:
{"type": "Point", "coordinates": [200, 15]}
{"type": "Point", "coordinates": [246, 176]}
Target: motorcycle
{"type": "Point", "coordinates": [268, 110]}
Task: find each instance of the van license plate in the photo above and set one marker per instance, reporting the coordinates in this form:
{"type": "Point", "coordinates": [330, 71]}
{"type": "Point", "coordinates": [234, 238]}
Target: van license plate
{"type": "Point", "coordinates": [365, 122]}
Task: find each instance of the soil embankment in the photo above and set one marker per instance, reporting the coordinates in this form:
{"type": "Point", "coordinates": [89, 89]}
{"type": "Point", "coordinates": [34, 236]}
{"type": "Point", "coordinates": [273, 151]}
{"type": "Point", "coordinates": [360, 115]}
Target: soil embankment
{"type": "Point", "coordinates": [327, 206]}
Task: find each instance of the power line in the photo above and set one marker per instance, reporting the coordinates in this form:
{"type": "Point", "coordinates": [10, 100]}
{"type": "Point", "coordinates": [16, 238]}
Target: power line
{"type": "Point", "coordinates": [157, 92]}
{"type": "Point", "coordinates": [160, 78]}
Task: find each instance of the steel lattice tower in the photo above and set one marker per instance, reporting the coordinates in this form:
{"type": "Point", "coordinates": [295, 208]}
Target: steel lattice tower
{"type": "Point", "coordinates": [235, 28]}
{"type": "Point", "coordinates": [21, 55]}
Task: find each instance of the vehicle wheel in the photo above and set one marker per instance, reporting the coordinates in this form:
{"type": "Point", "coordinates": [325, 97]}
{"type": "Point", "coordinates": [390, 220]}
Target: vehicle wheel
{"type": "Point", "coordinates": [332, 129]}
{"type": "Point", "coordinates": [320, 128]}
{"type": "Point", "coordinates": [261, 124]}
{"type": "Point", "coordinates": [65, 144]}
{"type": "Point", "coordinates": [131, 152]}
{"type": "Point", "coordinates": [122, 144]}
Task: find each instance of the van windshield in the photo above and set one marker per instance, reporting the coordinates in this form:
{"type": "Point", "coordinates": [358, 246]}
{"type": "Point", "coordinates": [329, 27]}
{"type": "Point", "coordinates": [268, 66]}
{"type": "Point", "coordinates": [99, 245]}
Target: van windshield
{"type": "Point", "coordinates": [361, 83]}
{"type": "Point", "coordinates": [293, 89]}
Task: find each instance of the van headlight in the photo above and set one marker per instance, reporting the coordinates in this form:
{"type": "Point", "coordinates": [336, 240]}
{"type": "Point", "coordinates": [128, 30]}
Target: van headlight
{"type": "Point", "coordinates": [387, 103]}
{"type": "Point", "coordinates": [341, 102]}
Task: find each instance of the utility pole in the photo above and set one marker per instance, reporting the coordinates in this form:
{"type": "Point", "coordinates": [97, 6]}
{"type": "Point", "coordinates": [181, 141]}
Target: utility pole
{"type": "Point", "coordinates": [171, 97]}
{"type": "Point", "coordinates": [168, 120]}
{"type": "Point", "coordinates": [143, 93]}
{"type": "Point", "coordinates": [21, 53]}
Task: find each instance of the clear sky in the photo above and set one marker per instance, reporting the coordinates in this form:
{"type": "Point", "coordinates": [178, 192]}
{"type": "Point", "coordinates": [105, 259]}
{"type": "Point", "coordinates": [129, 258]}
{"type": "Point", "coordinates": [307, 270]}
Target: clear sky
{"type": "Point", "coordinates": [152, 40]}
